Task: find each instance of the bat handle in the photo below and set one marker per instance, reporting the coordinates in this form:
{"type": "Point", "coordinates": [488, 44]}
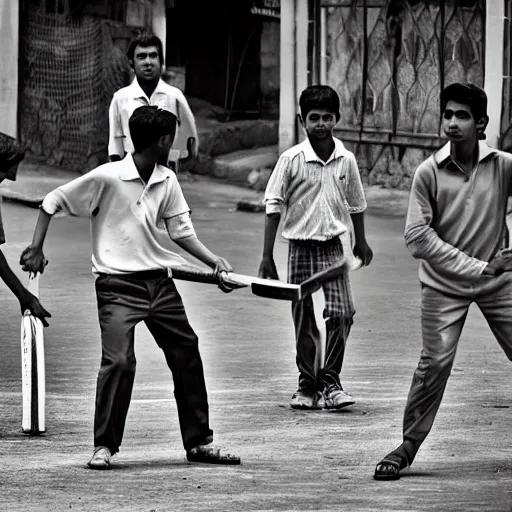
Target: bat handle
{"type": "Point", "coordinates": [199, 276]}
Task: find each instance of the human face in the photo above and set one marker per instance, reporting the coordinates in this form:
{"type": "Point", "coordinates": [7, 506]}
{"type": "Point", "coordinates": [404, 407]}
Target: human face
{"type": "Point", "coordinates": [458, 124]}
{"type": "Point", "coordinates": [146, 63]}
{"type": "Point", "coordinates": [319, 123]}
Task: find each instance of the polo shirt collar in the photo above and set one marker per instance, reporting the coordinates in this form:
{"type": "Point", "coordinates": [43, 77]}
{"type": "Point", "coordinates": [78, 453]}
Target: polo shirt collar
{"type": "Point", "coordinates": [311, 156]}
{"type": "Point", "coordinates": [128, 171]}
{"type": "Point", "coordinates": [171, 103]}
{"type": "Point", "coordinates": [443, 157]}
{"type": "Point", "coordinates": [137, 92]}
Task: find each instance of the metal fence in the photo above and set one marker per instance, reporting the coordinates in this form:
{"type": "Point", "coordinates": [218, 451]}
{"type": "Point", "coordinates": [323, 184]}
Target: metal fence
{"type": "Point", "coordinates": [389, 60]}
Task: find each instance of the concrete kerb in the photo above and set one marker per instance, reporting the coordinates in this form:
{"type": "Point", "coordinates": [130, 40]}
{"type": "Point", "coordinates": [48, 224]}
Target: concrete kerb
{"type": "Point", "coordinates": [381, 201]}
{"type": "Point", "coordinates": [34, 182]}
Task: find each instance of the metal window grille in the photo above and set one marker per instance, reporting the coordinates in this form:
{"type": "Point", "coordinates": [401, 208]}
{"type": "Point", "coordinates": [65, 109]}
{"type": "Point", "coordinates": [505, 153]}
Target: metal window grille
{"type": "Point", "coordinates": [505, 142]}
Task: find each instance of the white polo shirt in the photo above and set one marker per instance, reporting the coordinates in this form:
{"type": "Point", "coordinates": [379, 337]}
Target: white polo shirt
{"type": "Point", "coordinates": [128, 218]}
{"type": "Point", "coordinates": [165, 96]}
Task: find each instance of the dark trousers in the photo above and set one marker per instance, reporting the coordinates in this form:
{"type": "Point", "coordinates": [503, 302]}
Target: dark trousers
{"type": "Point", "coordinates": [306, 258]}
{"type": "Point", "coordinates": [123, 302]}
{"type": "Point", "coordinates": [442, 319]}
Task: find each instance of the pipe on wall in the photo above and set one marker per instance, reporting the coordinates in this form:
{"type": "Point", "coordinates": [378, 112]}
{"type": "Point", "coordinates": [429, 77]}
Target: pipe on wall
{"type": "Point", "coordinates": [287, 93]}
{"type": "Point", "coordinates": [323, 46]}
{"type": "Point", "coordinates": [493, 62]}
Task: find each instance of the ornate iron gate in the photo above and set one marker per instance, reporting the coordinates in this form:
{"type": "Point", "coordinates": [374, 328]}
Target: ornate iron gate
{"type": "Point", "coordinates": [389, 60]}
{"type": "Point", "coordinates": [505, 142]}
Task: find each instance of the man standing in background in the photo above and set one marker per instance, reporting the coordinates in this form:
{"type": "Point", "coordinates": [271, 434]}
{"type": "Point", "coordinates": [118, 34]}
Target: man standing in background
{"type": "Point", "coordinates": [146, 57]}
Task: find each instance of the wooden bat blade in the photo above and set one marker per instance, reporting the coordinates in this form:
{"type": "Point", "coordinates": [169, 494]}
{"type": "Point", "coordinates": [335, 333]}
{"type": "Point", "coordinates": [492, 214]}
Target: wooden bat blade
{"type": "Point", "coordinates": [315, 282]}
{"type": "Point", "coordinates": [273, 289]}
{"type": "Point", "coordinates": [262, 287]}
{"type": "Point", "coordinates": [293, 292]}
{"type": "Point", "coordinates": [268, 288]}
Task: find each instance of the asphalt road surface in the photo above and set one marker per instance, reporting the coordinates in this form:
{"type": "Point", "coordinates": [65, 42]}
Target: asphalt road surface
{"type": "Point", "coordinates": [291, 460]}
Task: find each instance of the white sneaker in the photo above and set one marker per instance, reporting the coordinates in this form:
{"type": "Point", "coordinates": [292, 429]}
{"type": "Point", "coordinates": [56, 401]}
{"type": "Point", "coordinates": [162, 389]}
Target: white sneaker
{"type": "Point", "coordinates": [336, 398]}
{"type": "Point", "coordinates": [100, 458]}
{"type": "Point", "coordinates": [307, 400]}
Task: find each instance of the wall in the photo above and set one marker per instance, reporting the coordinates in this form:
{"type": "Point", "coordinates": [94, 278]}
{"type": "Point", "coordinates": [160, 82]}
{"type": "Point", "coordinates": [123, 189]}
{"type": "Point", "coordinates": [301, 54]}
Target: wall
{"type": "Point", "coordinates": [9, 21]}
{"type": "Point", "coordinates": [69, 70]}
{"type": "Point", "coordinates": [269, 79]}
{"type": "Point", "coordinates": [159, 21]}
{"type": "Point", "coordinates": [138, 13]}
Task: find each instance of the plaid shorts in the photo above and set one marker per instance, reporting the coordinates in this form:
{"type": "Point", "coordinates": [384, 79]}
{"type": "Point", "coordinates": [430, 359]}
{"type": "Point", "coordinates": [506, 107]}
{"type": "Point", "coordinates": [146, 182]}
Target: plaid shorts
{"type": "Point", "coordinates": [307, 258]}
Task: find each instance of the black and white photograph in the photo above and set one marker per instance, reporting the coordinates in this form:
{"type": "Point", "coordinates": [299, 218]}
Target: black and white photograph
{"type": "Point", "coordinates": [255, 255]}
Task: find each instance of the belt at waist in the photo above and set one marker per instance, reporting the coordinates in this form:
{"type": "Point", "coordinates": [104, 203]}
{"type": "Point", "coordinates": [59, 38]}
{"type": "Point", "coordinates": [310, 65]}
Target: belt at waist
{"type": "Point", "coordinates": [317, 243]}
{"type": "Point", "coordinates": [143, 275]}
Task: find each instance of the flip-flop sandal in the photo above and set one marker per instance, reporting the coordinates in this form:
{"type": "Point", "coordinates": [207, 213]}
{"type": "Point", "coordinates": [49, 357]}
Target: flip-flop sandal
{"type": "Point", "coordinates": [394, 474]}
{"type": "Point", "coordinates": [394, 462]}
{"type": "Point", "coordinates": [212, 456]}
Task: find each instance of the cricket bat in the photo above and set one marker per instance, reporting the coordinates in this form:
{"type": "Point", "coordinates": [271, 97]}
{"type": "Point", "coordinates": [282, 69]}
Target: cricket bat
{"type": "Point", "coordinates": [32, 368]}
{"type": "Point", "coordinates": [269, 288]}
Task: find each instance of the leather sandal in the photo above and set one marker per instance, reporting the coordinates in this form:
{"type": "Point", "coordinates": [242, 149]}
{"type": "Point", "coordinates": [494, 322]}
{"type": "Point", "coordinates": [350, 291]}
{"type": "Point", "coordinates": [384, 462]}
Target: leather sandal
{"type": "Point", "coordinates": [211, 454]}
{"type": "Point", "coordinates": [390, 466]}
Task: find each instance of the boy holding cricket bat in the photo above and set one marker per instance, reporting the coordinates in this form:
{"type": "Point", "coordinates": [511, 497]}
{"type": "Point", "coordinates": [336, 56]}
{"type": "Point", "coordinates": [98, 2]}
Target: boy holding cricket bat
{"type": "Point", "coordinates": [11, 155]}
{"type": "Point", "coordinates": [319, 185]}
{"type": "Point", "coordinates": [126, 202]}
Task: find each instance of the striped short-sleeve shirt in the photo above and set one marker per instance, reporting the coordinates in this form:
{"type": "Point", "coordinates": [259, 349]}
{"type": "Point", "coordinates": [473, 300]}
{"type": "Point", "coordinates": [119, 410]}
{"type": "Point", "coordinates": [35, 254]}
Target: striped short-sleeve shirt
{"type": "Point", "coordinates": [318, 196]}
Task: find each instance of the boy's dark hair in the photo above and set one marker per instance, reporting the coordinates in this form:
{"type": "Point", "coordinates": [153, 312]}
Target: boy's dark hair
{"type": "Point", "coordinates": [146, 40]}
{"type": "Point", "coordinates": [11, 152]}
{"type": "Point", "coordinates": [467, 94]}
{"type": "Point", "coordinates": [319, 97]}
{"type": "Point", "coordinates": [147, 124]}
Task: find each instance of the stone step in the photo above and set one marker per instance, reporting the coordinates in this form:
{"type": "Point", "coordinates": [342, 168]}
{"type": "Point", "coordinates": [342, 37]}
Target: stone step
{"type": "Point", "coordinates": [216, 138]}
{"type": "Point", "coordinates": [250, 167]}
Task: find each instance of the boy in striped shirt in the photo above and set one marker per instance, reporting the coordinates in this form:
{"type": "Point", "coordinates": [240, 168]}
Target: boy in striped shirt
{"type": "Point", "coordinates": [317, 182]}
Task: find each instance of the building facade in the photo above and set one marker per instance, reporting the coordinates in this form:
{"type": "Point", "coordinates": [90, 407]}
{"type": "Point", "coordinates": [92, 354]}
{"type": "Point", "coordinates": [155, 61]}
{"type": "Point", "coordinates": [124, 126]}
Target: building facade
{"type": "Point", "coordinates": [66, 58]}
{"type": "Point", "coordinates": [388, 60]}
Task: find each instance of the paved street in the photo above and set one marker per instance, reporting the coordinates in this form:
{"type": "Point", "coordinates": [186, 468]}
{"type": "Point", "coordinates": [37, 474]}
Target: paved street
{"type": "Point", "coordinates": [291, 460]}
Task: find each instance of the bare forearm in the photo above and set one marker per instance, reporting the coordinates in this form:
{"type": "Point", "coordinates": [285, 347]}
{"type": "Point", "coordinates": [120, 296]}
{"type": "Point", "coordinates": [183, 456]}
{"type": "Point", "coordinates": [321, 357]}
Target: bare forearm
{"type": "Point", "coordinates": [358, 223]}
{"type": "Point", "coordinates": [489, 270]}
{"type": "Point", "coordinates": [43, 221]}
{"type": "Point", "coordinates": [271, 225]}
{"type": "Point", "coordinates": [9, 277]}
{"type": "Point", "coordinates": [197, 249]}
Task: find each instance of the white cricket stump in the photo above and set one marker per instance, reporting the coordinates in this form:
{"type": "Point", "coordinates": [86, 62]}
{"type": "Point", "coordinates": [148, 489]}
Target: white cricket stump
{"type": "Point", "coordinates": [33, 382]}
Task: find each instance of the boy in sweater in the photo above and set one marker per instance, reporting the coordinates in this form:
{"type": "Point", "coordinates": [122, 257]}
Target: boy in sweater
{"type": "Point", "coordinates": [455, 226]}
